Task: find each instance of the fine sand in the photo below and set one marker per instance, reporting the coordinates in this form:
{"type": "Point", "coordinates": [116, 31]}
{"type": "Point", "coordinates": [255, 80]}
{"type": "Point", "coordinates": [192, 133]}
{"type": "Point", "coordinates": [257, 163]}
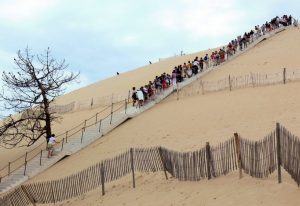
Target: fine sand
{"type": "Point", "coordinates": [187, 124]}
{"type": "Point", "coordinates": [117, 85]}
{"type": "Point", "coordinates": [154, 189]}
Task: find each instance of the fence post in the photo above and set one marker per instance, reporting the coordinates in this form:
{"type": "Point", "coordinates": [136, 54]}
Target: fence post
{"type": "Point", "coordinates": [102, 178]}
{"type": "Point", "coordinates": [284, 75]}
{"type": "Point", "coordinates": [132, 167]}
{"type": "Point", "coordinates": [278, 152]}
{"type": "Point", "coordinates": [128, 96]}
{"type": "Point", "coordinates": [100, 125]}
{"type": "Point", "coordinates": [111, 112]}
{"type": "Point", "coordinates": [62, 144]}
{"type": "Point", "coordinates": [207, 149]}
{"type": "Point", "coordinates": [84, 125]}
{"type": "Point", "coordinates": [31, 199]}
{"type": "Point", "coordinates": [252, 80]}
{"type": "Point", "coordinates": [112, 97]}
{"type": "Point", "coordinates": [25, 164]}
{"type": "Point", "coordinates": [41, 157]}
{"type": "Point", "coordinates": [229, 81]}
{"type": "Point", "coordinates": [125, 106]}
{"type": "Point", "coordinates": [82, 131]}
{"type": "Point", "coordinates": [238, 153]}
{"type": "Point", "coordinates": [96, 118]}
{"type": "Point", "coordinates": [9, 168]}
{"type": "Point", "coordinates": [66, 136]}
{"type": "Point", "coordinates": [163, 162]}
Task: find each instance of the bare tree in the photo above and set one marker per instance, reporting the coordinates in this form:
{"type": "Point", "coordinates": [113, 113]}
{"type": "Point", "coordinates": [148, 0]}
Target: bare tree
{"type": "Point", "coordinates": [29, 91]}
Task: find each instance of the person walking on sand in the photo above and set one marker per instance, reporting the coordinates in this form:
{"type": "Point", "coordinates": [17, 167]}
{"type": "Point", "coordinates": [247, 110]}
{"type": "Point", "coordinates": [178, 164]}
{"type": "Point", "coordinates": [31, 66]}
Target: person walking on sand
{"type": "Point", "coordinates": [50, 146]}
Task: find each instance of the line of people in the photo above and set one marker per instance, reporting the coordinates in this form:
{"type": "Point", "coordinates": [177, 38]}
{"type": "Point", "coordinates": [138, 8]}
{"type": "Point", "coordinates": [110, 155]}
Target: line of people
{"type": "Point", "coordinates": [187, 70]}
{"type": "Point", "coordinates": [242, 41]}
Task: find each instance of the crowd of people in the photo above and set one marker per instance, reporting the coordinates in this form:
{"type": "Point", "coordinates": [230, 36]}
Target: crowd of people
{"type": "Point", "coordinates": [187, 70]}
{"type": "Point", "coordinates": [242, 41]}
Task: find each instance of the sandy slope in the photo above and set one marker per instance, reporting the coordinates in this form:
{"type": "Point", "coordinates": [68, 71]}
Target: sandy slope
{"type": "Point", "coordinates": [153, 189]}
{"type": "Point", "coordinates": [213, 117]}
{"type": "Point", "coordinates": [125, 81]}
{"type": "Point", "coordinates": [188, 123]}
{"type": "Point", "coordinates": [281, 51]}
{"type": "Point", "coordinates": [115, 85]}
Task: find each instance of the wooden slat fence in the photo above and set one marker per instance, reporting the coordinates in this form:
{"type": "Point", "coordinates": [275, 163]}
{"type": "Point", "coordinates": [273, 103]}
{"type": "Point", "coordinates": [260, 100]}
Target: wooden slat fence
{"type": "Point", "coordinates": [290, 153]}
{"type": "Point", "coordinates": [65, 188]}
{"type": "Point", "coordinates": [186, 166]}
{"type": "Point", "coordinates": [60, 109]}
{"type": "Point", "coordinates": [117, 167]}
{"type": "Point", "coordinates": [100, 101]}
{"type": "Point", "coordinates": [148, 160]}
{"type": "Point", "coordinates": [223, 158]}
{"type": "Point", "coordinates": [259, 158]}
{"type": "Point", "coordinates": [243, 81]}
{"type": "Point", "coordinates": [15, 198]}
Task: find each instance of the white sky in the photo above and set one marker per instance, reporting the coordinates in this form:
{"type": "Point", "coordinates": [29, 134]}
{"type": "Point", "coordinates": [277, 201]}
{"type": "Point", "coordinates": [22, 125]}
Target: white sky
{"type": "Point", "coordinates": [100, 37]}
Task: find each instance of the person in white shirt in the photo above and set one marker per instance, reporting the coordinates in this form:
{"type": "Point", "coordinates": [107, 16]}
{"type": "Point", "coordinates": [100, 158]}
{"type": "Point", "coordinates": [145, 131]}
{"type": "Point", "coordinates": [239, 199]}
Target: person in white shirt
{"type": "Point", "coordinates": [140, 97]}
{"type": "Point", "coordinates": [50, 146]}
{"type": "Point", "coordinates": [196, 66]}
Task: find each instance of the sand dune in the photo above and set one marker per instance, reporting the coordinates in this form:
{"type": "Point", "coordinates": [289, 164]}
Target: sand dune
{"type": "Point", "coordinates": [187, 124]}
{"type": "Point", "coordinates": [115, 85]}
{"type": "Point", "coordinates": [125, 81]}
{"type": "Point", "coordinates": [213, 117]}
{"type": "Point", "coordinates": [153, 189]}
{"type": "Point", "coordinates": [281, 51]}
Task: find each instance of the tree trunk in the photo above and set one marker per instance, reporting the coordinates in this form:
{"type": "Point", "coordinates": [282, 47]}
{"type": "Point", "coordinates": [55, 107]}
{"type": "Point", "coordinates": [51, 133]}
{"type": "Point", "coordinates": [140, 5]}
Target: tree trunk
{"type": "Point", "coordinates": [47, 117]}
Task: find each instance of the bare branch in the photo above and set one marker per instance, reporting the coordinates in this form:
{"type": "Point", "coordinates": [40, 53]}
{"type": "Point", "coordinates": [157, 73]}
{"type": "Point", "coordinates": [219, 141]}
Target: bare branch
{"type": "Point", "coordinates": [37, 81]}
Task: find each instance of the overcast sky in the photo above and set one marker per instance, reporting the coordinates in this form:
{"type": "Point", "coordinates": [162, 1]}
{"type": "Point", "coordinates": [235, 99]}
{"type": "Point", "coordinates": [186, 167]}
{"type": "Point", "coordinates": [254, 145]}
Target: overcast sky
{"type": "Point", "coordinates": [100, 37]}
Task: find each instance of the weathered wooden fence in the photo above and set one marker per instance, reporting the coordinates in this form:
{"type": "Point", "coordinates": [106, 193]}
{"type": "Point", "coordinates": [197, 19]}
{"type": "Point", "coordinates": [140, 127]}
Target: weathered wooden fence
{"type": "Point", "coordinates": [290, 154]}
{"type": "Point", "coordinates": [256, 158]}
{"type": "Point", "coordinates": [259, 158]}
{"type": "Point", "coordinates": [223, 158]}
{"type": "Point", "coordinates": [185, 166]}
{"type": "Point", "coordinates": [60, 109]}
{"type": "Point", "coordinates": [237, 82]}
